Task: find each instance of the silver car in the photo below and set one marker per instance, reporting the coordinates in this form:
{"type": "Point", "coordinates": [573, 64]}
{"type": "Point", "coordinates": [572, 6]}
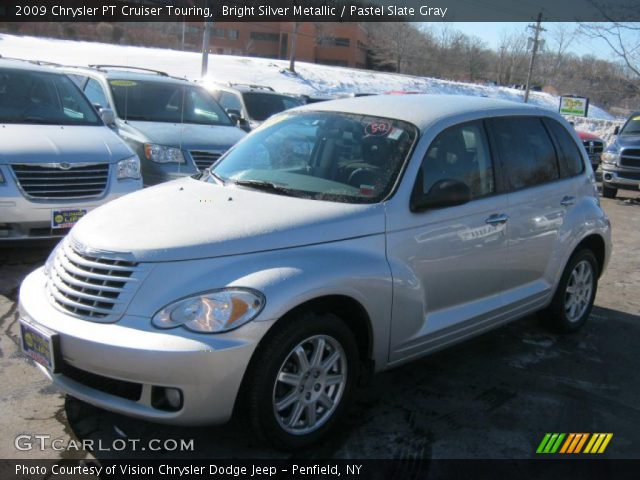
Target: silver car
{"type": "Point", "coordinates": [338, 239]}
{"type": "Point", "coordinates": [58, 160]}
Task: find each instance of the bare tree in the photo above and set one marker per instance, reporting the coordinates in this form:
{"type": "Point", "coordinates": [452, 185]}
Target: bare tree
{"type": "Point", "coordinates": [622, 38]}
{"type": "Point", "coordinates": [394, 43]}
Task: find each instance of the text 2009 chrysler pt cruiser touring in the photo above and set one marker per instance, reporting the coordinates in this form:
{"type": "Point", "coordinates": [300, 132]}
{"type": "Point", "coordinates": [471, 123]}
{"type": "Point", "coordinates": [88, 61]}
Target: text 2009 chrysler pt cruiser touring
{"type": "Point", "coordinates": [337, 238]}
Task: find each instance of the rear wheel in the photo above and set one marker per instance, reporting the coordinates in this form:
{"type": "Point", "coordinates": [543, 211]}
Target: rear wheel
{"type": "Point", "coordinates": [302, 380]}
{"type": "Point", "coordinates": [609, 192]}
{"type": "Point", "coordinates": [573, 300]}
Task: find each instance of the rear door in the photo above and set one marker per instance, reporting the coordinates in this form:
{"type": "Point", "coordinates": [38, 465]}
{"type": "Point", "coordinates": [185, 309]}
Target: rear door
{"type": "Point", "coordinates": [539, 199]}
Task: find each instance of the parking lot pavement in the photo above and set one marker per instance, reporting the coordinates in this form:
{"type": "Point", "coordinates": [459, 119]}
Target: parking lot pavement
{"type": "Point", "coordinates": [492, 397]}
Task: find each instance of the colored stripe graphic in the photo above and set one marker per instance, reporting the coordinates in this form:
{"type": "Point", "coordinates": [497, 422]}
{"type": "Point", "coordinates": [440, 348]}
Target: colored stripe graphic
{"type": "Point", "coordinates": [574, 443]}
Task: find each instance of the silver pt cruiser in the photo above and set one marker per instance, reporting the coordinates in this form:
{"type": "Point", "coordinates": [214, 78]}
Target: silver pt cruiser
{"type": "Point", "coordinates": [337, 239]}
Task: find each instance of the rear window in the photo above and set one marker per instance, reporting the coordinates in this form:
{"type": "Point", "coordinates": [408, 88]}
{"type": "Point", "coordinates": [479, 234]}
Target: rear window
{"type": "Point", "coordinates": [526, 151]}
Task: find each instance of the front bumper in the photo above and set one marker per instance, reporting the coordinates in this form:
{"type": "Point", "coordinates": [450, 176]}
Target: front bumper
{"type": "Point", "coordinates": [208, 369]}
{"type": "Point", "coordinates": [22, 218]}
{"type": "Point", "coordinates": [620, 178]}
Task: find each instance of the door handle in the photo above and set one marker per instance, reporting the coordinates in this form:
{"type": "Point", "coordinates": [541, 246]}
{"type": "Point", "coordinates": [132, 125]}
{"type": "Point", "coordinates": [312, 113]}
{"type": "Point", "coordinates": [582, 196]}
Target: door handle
{"type": "Point", "coordinates": [497, 218]}
{"type": "Point", "coordinates": [567, 201]}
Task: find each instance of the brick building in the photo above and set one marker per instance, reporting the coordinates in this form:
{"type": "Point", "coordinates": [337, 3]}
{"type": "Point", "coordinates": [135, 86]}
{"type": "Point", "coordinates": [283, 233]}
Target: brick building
{"type": "Point", "coordinates": [342, 44]}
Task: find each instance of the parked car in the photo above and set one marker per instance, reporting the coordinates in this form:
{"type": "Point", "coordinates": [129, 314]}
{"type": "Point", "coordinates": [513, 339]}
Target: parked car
{"type": "Point", "coordinates": [250, 105]}
{"type": "Point", "coordinates": [307, 268]}
{"type": "Point", "coordinates": [594, 146]}
{"type": "Point", "coordinates": [177, 128]}
{"type": "Point", "coordinates": [58, 160]}
{"type": "Point", "coordinates": [621, 159]}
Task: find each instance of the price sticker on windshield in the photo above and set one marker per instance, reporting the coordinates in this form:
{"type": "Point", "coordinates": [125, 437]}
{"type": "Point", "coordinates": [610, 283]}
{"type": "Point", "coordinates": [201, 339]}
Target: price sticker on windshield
{"type": "Point", "coordinates": [377, 129]}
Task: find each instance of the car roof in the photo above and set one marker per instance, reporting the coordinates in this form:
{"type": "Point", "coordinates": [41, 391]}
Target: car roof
{"type": "Point", "coordinates": [122, 74]}
{"type": "Point", "coordinates": [32, 65]}
{"type": "Point", "coordinates": [423, 110]}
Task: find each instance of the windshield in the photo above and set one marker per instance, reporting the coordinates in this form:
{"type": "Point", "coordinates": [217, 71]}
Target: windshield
{"type": "Point", "coordinates": [321, 155]}
{"type": "Point", "coordinates": [28, 96]}
{"type": "Point", "coordinates": [632, 127]}
{"type": "Point", "coordinates": [172, 102]}
{"type": "Point", "coordinates": [261, 106]}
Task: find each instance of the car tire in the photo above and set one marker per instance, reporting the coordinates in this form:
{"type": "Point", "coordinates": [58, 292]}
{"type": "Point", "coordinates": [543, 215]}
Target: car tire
{"type": "Point", "coordinates": [574, 296]}
{"type": "Point", "coordinates": [609, 192]}
{"type": "Point", "coordinates": [291, 402]}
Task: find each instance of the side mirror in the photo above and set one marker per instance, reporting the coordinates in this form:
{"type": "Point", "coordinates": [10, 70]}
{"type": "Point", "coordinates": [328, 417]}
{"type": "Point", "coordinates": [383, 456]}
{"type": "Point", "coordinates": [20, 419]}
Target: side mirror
{"type": "Point", "coordinates": [616, 130]}
{"type": "Point", "coordinates": [234, 115]}
{"type": "Point", "coordinates": [443, 193]}
{"type": "Point", "coordinates": [108, 116]}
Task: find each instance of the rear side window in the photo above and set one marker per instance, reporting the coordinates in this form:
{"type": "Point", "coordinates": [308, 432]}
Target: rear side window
{"type": "Point", "coordinates": [526, 150]}
{"type": "Point", "coordinates": [569, 156]}
{"type": "Point", "coordinates": [460, 153]}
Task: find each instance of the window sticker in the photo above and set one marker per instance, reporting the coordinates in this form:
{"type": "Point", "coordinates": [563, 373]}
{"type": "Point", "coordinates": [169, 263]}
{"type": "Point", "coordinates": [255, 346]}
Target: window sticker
{"type": "Point", "coordinates": [123, 83]}
{"type": "Point", "coordinates": [368, 190]}
{"type": "Point", "coordinates": [379, 129]}
{"type": "Point", "coordinates": [395, 133]}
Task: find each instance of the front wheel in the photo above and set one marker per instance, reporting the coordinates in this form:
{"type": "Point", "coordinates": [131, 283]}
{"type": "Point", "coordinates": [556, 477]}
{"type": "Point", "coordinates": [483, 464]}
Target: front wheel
{"type": "Point", "coordinates": [302, 380]}
{"type": "Point", "coordinates": [573, 300]}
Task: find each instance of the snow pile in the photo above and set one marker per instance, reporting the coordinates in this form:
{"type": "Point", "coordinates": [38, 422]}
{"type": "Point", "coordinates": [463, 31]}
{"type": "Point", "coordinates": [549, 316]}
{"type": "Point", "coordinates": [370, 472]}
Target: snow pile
{"type": "Point", "coordinates": [310, 79]}
{"type": "Point", "coordinates": [599, 127]}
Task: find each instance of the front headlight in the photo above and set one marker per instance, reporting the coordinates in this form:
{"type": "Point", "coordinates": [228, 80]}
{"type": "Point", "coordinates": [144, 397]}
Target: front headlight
{"type": "Point", "coordinates": [610, 157]}
{"type": "Point", "coordinates": [129, 168]}
{"type": "Point", "coordinates": [162, 154]}
{"type": "Point", "coordinates": [212, 312]}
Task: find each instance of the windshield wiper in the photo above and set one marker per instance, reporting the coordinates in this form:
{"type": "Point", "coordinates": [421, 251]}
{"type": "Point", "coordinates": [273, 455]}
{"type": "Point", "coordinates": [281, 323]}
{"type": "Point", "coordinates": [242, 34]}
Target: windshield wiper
{"type": "Point", "coordinates": [265, 186]}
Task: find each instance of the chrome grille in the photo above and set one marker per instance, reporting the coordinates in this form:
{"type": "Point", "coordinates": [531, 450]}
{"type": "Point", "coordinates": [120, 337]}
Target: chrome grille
{"type": "Point", "coordinates": [62, 180]}
{"type": "Point", "coordinates": [593, 147]}
{"type": "Point", "coordinates": [630, 157]}
{"type": "Point", "coordinates": [204, 159]}
{"type": "Point", "coordinates": [91, 286]}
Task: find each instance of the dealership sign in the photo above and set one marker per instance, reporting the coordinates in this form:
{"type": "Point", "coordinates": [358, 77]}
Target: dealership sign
{"type": "Point", "coordinates": [572, 105]}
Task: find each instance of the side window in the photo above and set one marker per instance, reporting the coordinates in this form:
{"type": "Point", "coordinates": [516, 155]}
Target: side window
{"type": "Point", "coordinates": [230, 101]}
{"type": "Point", "coordinates": [526, 151]}
{"type": "Point", "coordinates": [460, 153]}
{"type": "Point", "coordinates": [95, 93]}
{"type": "Point", "coordinates": [77, 79]}
{"type": "Point", "coordinates": [569, 156]}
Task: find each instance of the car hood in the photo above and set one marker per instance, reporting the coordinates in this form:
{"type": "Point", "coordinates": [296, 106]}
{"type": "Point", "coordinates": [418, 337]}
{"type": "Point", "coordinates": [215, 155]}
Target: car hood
{"type": "Point", "coordinates": [57, 143]}
{"type": "Point", "coordinates": [628, 140]}
{"type": "Point", "coordinates": [189, 219]}
{"type": "Point", "coordinates": [189, 136]}
{"type": "Point", "coordinates": [587, 135]}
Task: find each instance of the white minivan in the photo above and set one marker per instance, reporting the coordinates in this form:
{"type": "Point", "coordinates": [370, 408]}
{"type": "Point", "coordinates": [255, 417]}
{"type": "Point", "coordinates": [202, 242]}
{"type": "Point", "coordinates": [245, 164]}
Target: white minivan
{"type": "Point", "coordinates": [58, 160]}
{"type": "Point", "coordinates": [337, 239]}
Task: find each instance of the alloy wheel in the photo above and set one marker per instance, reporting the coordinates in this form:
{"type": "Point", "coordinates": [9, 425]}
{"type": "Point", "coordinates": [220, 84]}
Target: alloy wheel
{"type": "Point", "coordinates": [310, 384]}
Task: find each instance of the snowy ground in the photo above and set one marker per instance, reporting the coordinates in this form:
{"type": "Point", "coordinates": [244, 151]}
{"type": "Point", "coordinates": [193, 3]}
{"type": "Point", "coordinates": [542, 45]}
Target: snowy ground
{"type": "Point", "coordinates": [310, 79]}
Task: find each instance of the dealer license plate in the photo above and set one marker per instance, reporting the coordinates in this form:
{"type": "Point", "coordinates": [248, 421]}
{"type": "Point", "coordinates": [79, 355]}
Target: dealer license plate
{"type": "Point", "coordinates": [40, 344]}
{"type": "Point", "coordinates": [66, 218]}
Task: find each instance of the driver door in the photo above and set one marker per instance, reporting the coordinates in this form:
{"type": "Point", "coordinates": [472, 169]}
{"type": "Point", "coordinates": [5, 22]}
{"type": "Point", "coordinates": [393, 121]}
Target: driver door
{"type": "Point", "coordinates": [448, 264]}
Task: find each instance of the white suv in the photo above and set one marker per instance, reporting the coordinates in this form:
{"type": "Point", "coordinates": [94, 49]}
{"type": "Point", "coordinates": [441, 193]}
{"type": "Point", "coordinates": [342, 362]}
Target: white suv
{"type": "Point", "coordinates": [338, 238]}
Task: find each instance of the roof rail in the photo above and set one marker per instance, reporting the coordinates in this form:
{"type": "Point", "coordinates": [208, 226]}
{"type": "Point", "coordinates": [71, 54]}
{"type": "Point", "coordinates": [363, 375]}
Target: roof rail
{"type": "Point", "coordinates": [127, 67]}
{"type": "Point", "coordinates": [43, 63]}
{"type": "Point", "coordinates": [250, 85]}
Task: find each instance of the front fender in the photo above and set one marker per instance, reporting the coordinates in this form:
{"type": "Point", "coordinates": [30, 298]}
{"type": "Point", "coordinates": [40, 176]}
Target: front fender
{"type": "Point", "coordinates": [355, 268]}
